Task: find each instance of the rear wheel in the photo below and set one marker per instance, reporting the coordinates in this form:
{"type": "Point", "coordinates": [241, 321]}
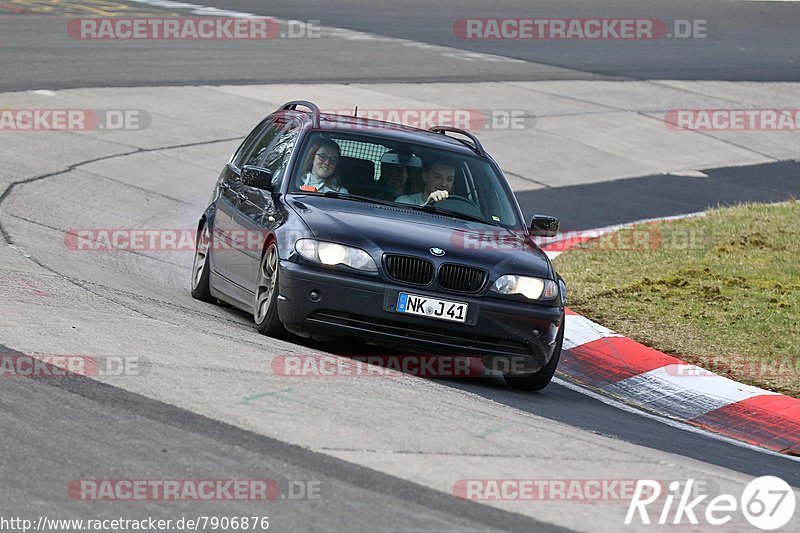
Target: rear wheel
{"type": "Point", "coordinates": [201, 266]}
{"type": "Point", "coordinates": [539, 380]}
{"type": "Point", "coordinates": [265, 310]}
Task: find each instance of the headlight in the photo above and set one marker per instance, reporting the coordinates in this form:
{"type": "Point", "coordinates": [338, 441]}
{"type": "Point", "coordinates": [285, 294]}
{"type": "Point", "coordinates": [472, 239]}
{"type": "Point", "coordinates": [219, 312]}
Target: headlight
{"type": "Point", "coordinates": [532, 288]}
{"type": "Point", "coordinates": [330, 253]}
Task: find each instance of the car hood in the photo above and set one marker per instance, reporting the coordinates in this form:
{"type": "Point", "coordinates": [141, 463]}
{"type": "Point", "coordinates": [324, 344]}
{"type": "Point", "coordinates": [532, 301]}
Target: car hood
{"type": "Point", "coordinates": [380, 229]}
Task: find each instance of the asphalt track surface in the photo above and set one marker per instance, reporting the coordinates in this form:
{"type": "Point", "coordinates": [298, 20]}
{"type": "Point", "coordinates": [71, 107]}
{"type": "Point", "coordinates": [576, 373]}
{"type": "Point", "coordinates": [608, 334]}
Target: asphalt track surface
{"type": "Point", "coordinates": [88, 420]}
{"type": "Point", "coordinates": [165, 442]}
{"type": "Point", "coordinates": [598, 205]}
{"type": "Point", "coordinates": [96, 430]}
{"type": "Point", "coordinates": [745, 41]}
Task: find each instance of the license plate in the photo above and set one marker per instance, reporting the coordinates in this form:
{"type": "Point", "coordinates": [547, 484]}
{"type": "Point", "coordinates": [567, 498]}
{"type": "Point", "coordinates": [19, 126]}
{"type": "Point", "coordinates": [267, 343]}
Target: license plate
{"type": "Point", "coordinates": [431, 307]}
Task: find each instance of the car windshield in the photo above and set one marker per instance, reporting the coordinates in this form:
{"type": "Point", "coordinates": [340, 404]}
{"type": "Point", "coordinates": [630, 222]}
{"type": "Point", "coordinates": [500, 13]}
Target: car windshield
{"type": "Point", "coordinates": [372, 168]}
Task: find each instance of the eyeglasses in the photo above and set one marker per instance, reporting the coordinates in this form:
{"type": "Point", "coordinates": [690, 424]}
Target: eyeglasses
{"type": "Point", "coordinates": [324, 158]}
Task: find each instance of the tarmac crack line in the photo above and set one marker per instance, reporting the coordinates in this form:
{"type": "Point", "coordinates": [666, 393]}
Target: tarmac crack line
{"type": "Point", "coordinates": [531, 180]}
{"type": "Point", "coordinates": [142, 189]}
{"type": "Point", "coordinates": [119, 249]}
{"type": "Point", "coordinates": [8, 190]}
{"type": "Point", "coordinates": [718, 139]}
{"type": "Point", "coordinates": [466, 454]}
{"type": "Point", "coordinates": [644, 114]}
{"type": "Point", "coordinates": [82, 283]}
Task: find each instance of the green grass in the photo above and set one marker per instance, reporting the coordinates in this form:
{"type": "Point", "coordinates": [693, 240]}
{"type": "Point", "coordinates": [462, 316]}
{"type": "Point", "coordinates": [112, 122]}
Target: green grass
{"type": "Point", "coordinates": [721, 291]}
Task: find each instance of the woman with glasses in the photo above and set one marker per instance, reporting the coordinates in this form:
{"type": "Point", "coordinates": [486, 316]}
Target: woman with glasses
{"type": "Point", "coordinates": [321, 171]}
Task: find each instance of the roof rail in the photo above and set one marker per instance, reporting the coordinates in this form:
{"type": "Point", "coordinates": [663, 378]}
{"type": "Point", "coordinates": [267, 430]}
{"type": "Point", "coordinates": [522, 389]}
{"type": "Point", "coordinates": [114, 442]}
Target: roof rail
{"type": "Point", "coordinates": [477, 147]}
{"type": "Point", "coordinates": [305, 103]}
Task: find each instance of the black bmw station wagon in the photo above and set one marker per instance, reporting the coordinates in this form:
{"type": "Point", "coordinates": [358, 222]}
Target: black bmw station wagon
{"type": "Point", "coordinates": [325, 225]}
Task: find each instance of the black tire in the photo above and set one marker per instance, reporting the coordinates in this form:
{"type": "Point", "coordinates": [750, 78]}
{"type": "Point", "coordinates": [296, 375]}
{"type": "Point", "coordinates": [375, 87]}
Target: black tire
{"type": "Point", "coordinates": [265, 306]}
{"type": "Point", "coordinates": [539, 380]}
{"type": "Point", "coordinates": [201, 266]}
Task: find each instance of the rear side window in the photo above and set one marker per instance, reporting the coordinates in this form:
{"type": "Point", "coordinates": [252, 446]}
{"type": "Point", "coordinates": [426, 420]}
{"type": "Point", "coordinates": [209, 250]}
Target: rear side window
{"type": "Point", "coordinates": [359, 149]}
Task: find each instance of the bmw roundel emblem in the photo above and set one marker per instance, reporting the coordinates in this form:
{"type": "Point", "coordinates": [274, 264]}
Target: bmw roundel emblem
{"type": "Point", "coordinates": [438, 252]}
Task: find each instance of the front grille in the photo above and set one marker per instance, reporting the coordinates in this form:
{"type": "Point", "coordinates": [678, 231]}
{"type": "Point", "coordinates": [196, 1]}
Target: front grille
{"type": "Point", "coordinates": [409, 269]}
{"type": "Point", "coordinates": [461, 278]}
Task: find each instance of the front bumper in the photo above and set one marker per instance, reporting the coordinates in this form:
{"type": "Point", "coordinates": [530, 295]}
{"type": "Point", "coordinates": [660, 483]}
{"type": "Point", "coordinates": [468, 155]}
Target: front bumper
{"type": "Point", "coordinates": [506, 335]}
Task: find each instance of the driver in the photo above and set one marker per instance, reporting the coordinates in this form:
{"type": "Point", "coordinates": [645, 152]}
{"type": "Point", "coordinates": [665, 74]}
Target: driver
{"type": "Point", "coordinates": [438, 175]}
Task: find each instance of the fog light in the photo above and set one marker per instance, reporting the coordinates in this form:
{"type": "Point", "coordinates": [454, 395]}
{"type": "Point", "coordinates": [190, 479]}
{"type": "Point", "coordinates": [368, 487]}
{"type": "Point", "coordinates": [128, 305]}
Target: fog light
{"type": "Point", "coordinates": [314, 295]}
{"type": "Point", "coordinates": [536, 332]}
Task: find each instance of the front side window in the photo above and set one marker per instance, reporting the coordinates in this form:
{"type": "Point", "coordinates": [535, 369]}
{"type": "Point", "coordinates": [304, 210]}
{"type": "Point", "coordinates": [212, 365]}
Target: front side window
{"type": "Point", "coordinates": [272, 146]}
{"type": "Point", "coordinates": [249, 143]}
{"type": "Point", "coordinates": [387, 170]}
{"type": "Point", "coordinates": [276, 156]}
{"type": "Point", "coordinates": [260, 148]}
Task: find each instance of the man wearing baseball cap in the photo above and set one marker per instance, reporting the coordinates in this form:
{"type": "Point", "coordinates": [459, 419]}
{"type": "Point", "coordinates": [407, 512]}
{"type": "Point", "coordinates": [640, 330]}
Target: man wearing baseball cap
{"type": "Point", "coordinates": [396, 168]}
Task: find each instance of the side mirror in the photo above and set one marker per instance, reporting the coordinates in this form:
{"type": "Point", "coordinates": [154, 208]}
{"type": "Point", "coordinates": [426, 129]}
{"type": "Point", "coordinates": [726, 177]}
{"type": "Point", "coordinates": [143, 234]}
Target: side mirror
{"type": "Point", "coordinates": [257, 177]}
{"type": "Point", "coordinates": [544, 226]}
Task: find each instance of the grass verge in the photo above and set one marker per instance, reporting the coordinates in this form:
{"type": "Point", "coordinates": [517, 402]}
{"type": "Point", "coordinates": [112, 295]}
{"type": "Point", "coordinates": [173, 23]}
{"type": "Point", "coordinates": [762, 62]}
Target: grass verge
{"type": "Point", "coordinates": [720, 291]}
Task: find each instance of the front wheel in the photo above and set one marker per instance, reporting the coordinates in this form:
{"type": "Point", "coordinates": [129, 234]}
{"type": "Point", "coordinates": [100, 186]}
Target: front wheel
{"type": "Point", "coordinates": [539, 380]}
{"type": "Point", "coordinates": [201, 266]}
{"type": "Point", "coordinates": [265, 310]}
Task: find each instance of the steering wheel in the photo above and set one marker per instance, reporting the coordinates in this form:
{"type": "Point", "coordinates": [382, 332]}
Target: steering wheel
{"type": "Point", "coordinates": [473, 207]}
